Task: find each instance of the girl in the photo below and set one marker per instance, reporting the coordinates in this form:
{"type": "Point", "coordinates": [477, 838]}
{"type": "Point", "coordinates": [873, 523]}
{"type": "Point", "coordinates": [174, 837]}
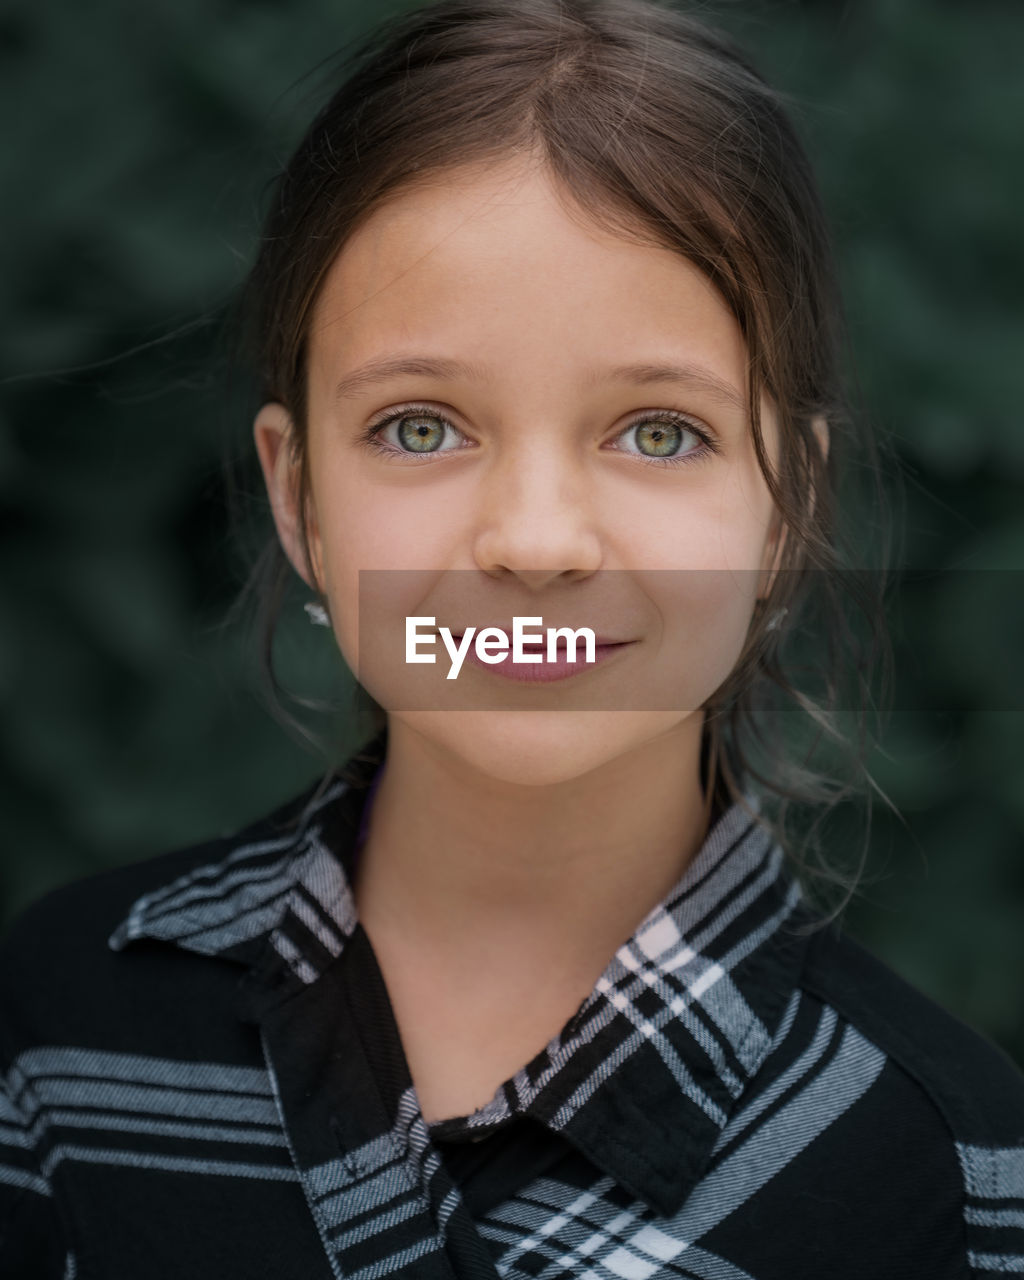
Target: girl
{"type": "Point", "coordinates": [537, 983]}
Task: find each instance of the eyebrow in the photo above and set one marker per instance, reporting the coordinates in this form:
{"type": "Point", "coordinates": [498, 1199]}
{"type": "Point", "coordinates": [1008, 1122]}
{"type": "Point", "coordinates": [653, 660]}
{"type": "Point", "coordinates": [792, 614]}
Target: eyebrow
{"type": "Point", "coordinates": [384, 369]}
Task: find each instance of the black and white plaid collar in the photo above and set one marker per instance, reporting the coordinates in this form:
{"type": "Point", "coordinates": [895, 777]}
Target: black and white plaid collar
{"type": "Point", "coordinates": [642, 1079]}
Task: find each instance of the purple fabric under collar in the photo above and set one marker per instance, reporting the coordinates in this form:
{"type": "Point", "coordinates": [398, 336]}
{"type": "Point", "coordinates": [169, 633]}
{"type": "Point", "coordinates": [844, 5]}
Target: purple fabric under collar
{"type": "Point", "coordinates": [368, 805]}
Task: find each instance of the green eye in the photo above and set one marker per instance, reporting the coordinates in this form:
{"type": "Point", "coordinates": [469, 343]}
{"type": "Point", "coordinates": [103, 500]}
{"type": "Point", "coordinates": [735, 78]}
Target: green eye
{"type": "Point", "coordinates": [421, 432]}
{"type": "Point", "coordinates": [662, 438]}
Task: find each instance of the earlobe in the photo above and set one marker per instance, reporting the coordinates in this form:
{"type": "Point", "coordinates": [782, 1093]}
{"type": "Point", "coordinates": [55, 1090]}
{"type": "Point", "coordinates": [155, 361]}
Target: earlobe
{"type": "Point", "coordinates": [272, 432]}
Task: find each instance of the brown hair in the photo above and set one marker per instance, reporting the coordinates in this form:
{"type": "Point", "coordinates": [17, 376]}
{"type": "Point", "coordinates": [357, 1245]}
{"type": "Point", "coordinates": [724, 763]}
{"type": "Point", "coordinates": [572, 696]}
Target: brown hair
{"type": "Point", "coordinates": [661, 130]}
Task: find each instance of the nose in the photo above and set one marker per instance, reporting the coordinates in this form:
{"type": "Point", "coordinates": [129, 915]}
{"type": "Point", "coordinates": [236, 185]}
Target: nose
{"type": "Point", "coordinates": [537, 518]}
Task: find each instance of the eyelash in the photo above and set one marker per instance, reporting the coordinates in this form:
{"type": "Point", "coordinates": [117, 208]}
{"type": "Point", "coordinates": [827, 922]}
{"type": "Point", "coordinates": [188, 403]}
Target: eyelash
{"type": "Point", "coordinates": [370, 437]}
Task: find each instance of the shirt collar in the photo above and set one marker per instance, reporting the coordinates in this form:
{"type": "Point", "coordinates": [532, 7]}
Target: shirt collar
{"type": "Point", "coordinates": [276, 896]}
{"type": "Point", "coordinates": [645, 1076]}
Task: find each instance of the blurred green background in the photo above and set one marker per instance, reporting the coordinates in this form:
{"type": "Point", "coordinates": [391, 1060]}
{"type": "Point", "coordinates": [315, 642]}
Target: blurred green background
{"type": "Point", "coordinates": [139, 142]}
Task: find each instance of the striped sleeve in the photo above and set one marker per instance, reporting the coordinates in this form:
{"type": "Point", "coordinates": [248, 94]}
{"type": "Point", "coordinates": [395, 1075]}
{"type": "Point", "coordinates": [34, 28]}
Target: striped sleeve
{"type": "Point", "coordinates": [31, 1233]}
{"type": "Point", "coordinates": [994, 1210]}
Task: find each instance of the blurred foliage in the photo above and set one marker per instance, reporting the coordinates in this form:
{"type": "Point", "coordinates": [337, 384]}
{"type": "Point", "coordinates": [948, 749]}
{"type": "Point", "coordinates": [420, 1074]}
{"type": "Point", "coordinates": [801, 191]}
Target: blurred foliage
{"type": "Point", "coordinates": [138, 147]}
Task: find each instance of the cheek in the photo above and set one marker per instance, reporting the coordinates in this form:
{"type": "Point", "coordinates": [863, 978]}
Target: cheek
{"type": "Point", "coordinates": [721, 524]}
{"type": "Point", "coordinates": [744, 515]}
{"type": "Point", "coordinates": [712, 611]}
{"type": "Point", "coordinates": [380, 526]}
{"type": "Point", "coordinates": [703, 615]}
{"type": "Point", "coordinates": [396, 536]}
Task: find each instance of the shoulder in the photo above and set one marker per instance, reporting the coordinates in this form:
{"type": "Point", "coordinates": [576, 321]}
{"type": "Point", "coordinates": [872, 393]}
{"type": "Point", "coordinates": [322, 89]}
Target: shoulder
{"type": "Point", "coordinates": [974, 1083]}
{"type": "Point", "coordinates": [936, 1128]}
{"type": "Point", "coordinates": [60, 977]}
{"type": "Point", "coordinates": [947, 1116]}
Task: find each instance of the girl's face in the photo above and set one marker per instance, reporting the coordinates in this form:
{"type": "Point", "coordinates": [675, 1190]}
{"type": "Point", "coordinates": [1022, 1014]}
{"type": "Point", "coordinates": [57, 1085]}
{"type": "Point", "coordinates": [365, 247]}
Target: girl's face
{"type": "Point", "coordinates": [539, 465]}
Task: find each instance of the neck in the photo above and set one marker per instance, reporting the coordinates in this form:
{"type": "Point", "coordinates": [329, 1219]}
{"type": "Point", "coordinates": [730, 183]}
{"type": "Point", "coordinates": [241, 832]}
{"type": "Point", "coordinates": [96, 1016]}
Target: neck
{"type": "Point", "coordinates": [507, 883]}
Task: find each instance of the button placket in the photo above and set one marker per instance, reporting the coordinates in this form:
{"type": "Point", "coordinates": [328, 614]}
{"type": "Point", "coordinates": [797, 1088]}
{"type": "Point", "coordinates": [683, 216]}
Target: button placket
{"type": "Point", "coordinates": [381, 1197]}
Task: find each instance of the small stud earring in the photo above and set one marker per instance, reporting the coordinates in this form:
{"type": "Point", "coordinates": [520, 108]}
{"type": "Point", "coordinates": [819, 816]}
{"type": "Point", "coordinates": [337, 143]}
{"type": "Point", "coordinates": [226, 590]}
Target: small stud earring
{"type": "Point", "coordinates": [317, 614]}
{"type": "Point", "coordinates": [774, 623]}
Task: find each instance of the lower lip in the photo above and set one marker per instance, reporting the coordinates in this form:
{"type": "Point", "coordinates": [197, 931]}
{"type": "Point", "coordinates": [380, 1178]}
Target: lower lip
{"type": "Point", "coordinates": [543, 672]}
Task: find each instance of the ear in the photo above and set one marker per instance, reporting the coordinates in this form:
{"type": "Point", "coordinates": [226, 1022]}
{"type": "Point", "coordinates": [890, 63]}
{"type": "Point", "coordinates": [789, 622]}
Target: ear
{"type": "Point", "coordinates": [273, 434]}
{"type": "Point", "coordinates": [777, 537]}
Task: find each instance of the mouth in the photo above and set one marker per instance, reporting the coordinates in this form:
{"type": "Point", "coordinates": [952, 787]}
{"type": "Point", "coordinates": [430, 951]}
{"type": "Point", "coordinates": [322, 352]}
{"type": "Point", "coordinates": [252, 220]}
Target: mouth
{"type": "Point", "coordinates": [547, 670]}
{"type": "Point", "coordinates": [600, 642]}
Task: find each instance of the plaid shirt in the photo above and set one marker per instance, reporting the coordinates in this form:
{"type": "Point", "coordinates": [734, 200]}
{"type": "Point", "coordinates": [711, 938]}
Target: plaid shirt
{"type": "Point", "coordinates": [202, 1078]}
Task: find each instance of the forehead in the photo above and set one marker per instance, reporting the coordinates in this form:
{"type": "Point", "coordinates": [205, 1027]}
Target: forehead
{"type": "Point", "coordinates": [497, 265]}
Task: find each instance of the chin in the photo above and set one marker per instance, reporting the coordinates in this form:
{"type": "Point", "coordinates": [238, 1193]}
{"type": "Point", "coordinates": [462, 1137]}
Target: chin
{"type": "Point", "coordinates": [541, 748]}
